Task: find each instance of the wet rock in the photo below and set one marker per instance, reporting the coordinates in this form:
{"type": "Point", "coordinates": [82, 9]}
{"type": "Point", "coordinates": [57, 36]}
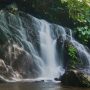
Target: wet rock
{"type": "Point", "coordinates": [3, 71]}
{"type": "Point", "coordinates": [7, 72]}
{"type": "Point", "coordinates": [57, 79]}
{"type": "Point", "coordinates": [3, 67]}
{"type": "Point", "coordinates": [75, 78]}
{"type": "Point", "coordinates": [11, 74]}
{"type": "Point", "coordinates": [2, 80]}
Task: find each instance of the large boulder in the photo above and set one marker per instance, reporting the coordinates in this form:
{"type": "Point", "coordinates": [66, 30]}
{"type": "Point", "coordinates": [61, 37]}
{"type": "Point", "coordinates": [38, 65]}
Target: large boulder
{"type": "Point", "coordinates": [75, 78]}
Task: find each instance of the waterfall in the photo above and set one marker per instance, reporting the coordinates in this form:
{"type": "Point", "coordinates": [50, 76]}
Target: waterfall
{"type": "Point", "coordinates": [48, 51]}
{"type": "Point", "coordinates": [35, 48]}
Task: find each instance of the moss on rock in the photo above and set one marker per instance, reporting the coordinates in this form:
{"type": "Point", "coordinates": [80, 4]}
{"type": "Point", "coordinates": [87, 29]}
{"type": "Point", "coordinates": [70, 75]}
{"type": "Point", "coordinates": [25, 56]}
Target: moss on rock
{"type": "Point", "coordinates": [75, 78]}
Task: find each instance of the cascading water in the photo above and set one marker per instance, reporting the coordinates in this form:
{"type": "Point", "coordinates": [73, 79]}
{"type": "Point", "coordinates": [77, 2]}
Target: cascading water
{"type": "Point", "coordinates": [48, 51]}
{"type": "Point", "coordinates": [83, 52]}
{"type": "Point", "coordinates": [35, 48]}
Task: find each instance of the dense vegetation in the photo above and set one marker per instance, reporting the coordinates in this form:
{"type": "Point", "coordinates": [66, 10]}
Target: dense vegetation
{"type": "Point", "coordinates": [79, 10]}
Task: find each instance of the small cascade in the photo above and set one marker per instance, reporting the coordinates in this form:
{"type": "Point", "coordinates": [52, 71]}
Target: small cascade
{"type": "Point", "coordinates": [83, 53]}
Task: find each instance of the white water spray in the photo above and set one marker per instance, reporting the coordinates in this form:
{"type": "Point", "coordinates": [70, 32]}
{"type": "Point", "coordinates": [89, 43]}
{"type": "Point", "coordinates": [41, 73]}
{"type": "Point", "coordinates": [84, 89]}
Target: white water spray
{"type": "Point", "coordinates": [48, 51]}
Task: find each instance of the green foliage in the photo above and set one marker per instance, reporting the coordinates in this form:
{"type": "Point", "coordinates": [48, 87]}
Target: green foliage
{"type": "Point", "coordinates": [79, 11]}
{"type": "Point", "coordinates": [72, 52]}
{"type": "Point", "coordinates": [83, 34]}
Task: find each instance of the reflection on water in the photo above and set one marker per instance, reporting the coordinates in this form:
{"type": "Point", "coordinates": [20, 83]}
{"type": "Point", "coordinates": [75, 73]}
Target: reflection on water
{"type": "Point", "coordinates": [36, 86]}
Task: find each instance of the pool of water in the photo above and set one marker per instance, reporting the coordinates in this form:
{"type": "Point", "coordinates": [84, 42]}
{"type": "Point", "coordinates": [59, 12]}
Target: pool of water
{"type": "Point", "coordinates": [37, 86]}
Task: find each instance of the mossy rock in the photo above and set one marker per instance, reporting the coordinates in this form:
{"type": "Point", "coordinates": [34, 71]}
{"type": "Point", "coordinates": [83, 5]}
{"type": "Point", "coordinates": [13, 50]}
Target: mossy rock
{"type": "Point", "coordinates": [75, 78]}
